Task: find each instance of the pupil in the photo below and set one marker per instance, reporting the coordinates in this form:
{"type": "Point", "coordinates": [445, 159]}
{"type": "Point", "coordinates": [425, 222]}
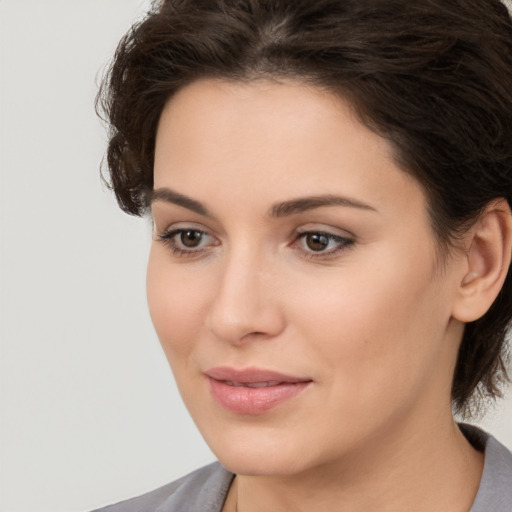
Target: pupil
{"type": "Point", "coordinates": [317, 241]}
{"type": "Point", "coordinates": [191, 238]}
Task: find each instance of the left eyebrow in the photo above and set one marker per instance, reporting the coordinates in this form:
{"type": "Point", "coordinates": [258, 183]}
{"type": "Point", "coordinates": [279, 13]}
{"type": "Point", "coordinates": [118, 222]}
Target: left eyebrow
{"type": "Point", "coordinates": [309, 203]}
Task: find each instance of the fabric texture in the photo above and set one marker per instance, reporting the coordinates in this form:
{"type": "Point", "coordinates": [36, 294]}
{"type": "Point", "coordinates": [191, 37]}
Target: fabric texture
{"type": "Point", "coordinates": [205, 489]}
{"type": "Point", "coordinates": [495, 491]}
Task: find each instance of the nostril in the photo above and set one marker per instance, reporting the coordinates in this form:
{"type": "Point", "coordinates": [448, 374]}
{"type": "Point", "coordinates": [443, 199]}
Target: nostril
{"type": "Point", "coordinates": [246, 326]}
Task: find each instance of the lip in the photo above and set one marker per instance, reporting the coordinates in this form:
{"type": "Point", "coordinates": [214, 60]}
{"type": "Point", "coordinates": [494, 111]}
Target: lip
{"type": "Point", "coordinates": [253, 390]}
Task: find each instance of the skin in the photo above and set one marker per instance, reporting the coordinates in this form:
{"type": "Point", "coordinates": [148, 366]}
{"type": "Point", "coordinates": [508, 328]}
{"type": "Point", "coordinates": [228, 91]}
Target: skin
{"type": "Point", "coordinates": [374, 319]}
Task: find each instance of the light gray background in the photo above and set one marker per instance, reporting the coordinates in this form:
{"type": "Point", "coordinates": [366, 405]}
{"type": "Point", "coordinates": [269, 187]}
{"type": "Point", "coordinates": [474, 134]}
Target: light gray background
{"type": "Point", "coordinates": [90, 414]}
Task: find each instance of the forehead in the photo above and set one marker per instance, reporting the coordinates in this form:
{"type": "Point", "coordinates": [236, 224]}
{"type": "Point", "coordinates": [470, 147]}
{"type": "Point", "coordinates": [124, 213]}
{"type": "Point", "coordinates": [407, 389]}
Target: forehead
{"type": "Point", "coordinates": [267, 138]}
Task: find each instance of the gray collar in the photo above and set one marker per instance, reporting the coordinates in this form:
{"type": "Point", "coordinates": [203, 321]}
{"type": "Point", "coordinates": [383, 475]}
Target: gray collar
{"type": "Point", "coordinates": [495, 491]}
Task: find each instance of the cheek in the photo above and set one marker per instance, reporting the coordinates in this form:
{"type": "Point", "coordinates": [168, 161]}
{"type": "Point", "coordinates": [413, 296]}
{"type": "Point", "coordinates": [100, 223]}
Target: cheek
{"type": "Point", "coordinates": [376, 323]}
{"type": "Point", "coordinates": [175, 303]}
{"type": "Point", "coordinates": [377, 344]}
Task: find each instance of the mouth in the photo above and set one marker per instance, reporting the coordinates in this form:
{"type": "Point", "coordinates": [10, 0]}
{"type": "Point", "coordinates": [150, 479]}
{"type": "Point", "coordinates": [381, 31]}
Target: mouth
{"type": "Point", "coordinates": [251, 384]}
{"type": "Point", "coordinates": [253, 391]}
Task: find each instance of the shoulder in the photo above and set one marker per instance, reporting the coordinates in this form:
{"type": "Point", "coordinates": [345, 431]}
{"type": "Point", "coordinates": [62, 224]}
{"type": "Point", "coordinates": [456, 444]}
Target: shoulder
{"type": "Point", "coordinates": [204, 490]}
{"type": "Point", "coordinates": [495, 491]}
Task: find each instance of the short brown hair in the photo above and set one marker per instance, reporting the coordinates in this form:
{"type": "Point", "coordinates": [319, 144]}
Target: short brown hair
{"type": "Point", "coordinates": [434, 77]}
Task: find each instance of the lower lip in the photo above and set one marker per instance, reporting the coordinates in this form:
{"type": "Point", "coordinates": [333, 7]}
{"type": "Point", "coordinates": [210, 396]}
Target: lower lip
{"type": "Point", "coordinates": [246, 400]}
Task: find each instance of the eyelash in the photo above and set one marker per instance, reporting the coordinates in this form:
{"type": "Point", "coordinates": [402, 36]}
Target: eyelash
{"type": "Point", "coordinates": [343, 243]}
{"type": "Point", "coordinates": [168, 238]}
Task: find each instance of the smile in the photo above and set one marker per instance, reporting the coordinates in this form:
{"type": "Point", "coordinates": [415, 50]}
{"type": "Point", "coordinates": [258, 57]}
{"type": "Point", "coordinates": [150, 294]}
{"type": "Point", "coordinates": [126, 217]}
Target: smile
{"type": "Point", "coordinates": [253, 391]}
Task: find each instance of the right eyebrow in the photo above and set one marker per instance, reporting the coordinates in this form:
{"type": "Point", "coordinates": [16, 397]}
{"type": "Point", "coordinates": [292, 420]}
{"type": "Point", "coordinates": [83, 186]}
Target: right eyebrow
{"type": "Point", "coordinates": [171, 196]}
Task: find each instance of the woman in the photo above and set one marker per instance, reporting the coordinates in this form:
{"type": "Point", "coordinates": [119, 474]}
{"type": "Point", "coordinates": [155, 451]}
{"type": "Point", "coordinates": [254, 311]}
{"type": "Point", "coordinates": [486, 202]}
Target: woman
{"type": "Point", "coordinates": [329, 184]}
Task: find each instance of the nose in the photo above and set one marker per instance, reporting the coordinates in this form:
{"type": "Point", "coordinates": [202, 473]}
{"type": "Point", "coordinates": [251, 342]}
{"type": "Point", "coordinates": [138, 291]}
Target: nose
{"type": "Point", "coordinates": [246, 303]}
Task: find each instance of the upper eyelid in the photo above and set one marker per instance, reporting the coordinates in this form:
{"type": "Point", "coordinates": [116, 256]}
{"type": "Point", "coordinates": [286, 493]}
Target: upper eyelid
{"type": "Point", "coordinates": [344, 244]}
{"type": "Point", "coordinates": [298, 232]}
{"type": "Point", "coordinates": [328, 234]}
{"type": "Point", "coordinates": [163, 217]}
{"type": "Point", "coordinates": [328, 230]}
{"type": "Point", "coordinates": [171, 232]}
{"type": "Point", "coordinates": [331, 236]}
{"type": "Point", "coordinates": [179, 226]}
{"type": "Point", "coordinates": [168, 238]}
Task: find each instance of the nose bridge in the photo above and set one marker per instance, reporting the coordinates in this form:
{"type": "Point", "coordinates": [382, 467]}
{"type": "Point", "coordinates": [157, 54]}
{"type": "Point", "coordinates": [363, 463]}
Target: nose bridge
{"type": "Point", "coordinates": [244, 303]}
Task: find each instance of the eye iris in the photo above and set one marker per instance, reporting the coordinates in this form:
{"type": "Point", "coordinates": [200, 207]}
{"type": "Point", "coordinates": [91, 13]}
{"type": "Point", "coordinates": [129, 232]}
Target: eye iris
{"type": "Point", "coordinates": [191, 238]}
{"type": "Point", "coordinates": [317, 241]}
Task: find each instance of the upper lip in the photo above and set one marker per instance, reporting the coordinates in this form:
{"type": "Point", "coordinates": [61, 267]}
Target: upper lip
{"type": "Point", "coordinates": [251, 375]}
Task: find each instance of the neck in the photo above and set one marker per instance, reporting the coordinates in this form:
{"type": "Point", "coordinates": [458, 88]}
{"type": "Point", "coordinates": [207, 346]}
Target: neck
{"type": "Point", "coordinates": [430, 470]}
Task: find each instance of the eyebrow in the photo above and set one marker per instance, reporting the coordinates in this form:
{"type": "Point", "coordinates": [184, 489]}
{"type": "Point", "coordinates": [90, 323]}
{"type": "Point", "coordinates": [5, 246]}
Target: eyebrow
{"type": "Point", "coordinates": [278, 210]}
{"type": "Point", "coordinates": [309, 203]}
{"type": "Point", "coordinates": [170, 196]}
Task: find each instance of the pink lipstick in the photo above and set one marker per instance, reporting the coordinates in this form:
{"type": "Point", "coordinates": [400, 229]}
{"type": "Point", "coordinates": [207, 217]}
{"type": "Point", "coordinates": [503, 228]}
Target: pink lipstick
{"type": "Point", "coordinates": [253, 390]}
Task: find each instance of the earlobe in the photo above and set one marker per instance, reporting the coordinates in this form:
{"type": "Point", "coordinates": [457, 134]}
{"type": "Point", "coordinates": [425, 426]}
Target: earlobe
{"type": "Point", "coordinates": [487, 259]}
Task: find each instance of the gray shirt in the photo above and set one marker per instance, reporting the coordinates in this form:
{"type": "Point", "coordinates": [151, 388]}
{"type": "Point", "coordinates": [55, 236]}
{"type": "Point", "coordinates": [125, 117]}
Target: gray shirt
{"type": "Point", "coordinates": [206, 489]}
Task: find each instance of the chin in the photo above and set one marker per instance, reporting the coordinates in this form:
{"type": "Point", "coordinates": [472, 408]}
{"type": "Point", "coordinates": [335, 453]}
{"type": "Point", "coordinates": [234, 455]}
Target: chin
{"type": "Point", "coordinates": [260, 452]}
{"type": "Point", "coordinates": [256, 463]}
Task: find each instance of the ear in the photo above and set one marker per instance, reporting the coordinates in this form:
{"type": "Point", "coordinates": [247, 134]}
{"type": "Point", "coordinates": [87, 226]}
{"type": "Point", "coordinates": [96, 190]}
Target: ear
{"type": "Point", "coordinates": [486, 262]}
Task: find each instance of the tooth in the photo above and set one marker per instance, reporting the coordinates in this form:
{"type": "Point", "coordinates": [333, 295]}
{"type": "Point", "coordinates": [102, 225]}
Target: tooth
{"type": "Point", "coordinates": [261, 384]}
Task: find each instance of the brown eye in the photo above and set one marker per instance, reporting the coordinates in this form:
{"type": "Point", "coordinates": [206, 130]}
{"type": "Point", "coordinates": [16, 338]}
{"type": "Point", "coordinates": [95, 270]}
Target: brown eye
{"type": "Point", "coordinates": [191, 238]}
{"type": "Point", "coordinates": [321, 244]}
{"type": "Point", "coordinates": [316, 241]}
{"type": "Point", "coordinates": [188, 241]}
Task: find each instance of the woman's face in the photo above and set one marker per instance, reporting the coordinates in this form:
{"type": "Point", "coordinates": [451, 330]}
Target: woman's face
{"type": "Point", "coordinates": [293, 279]}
